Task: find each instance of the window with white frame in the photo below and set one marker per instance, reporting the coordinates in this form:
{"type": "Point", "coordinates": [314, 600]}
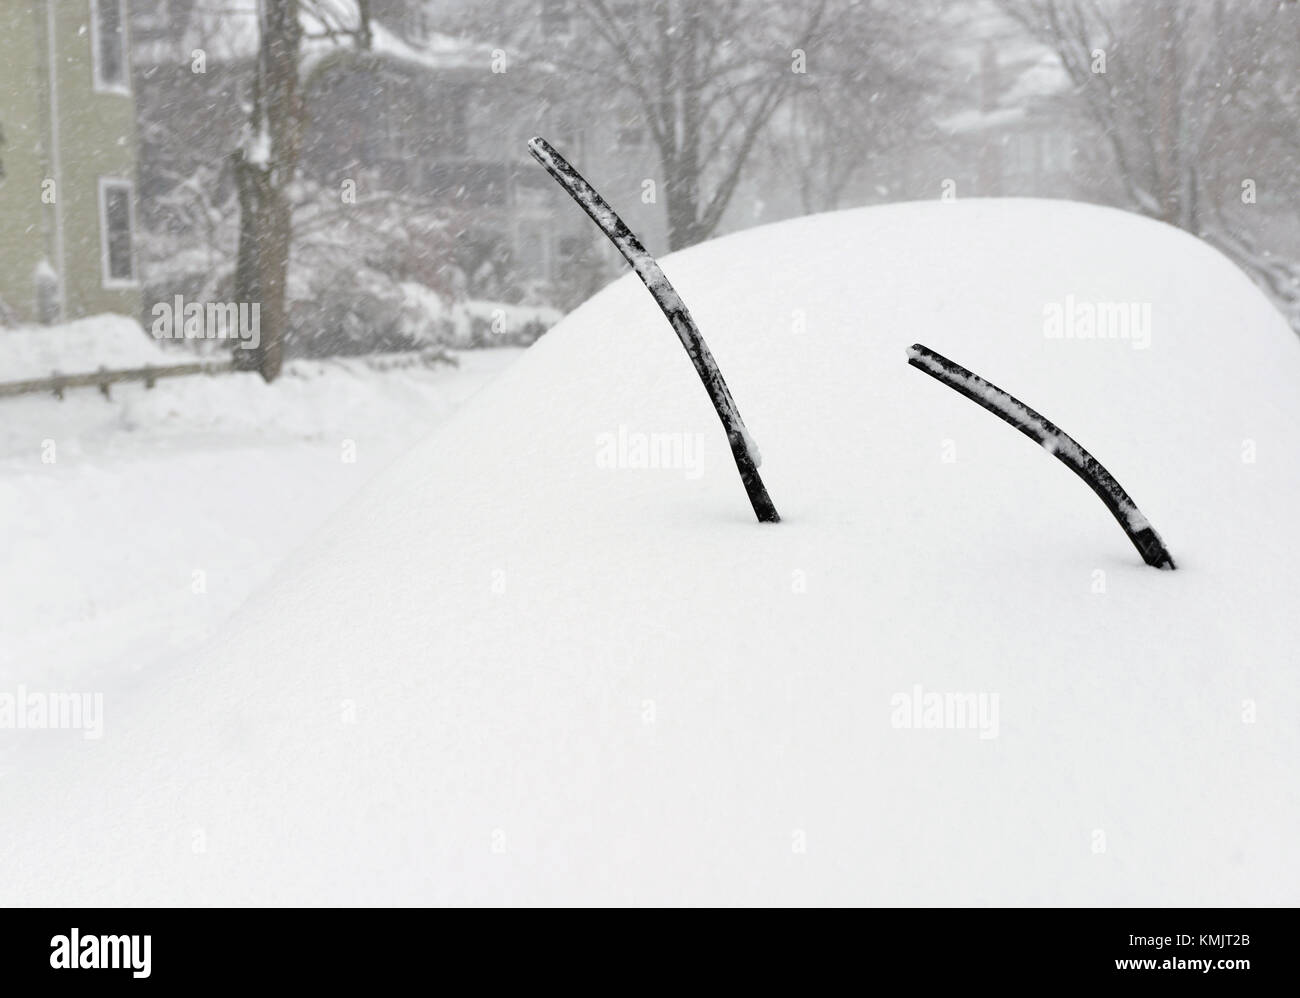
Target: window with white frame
{"type": "Point", "coordinates": [117, 232]}
{"type": "Point", "coordinates": [108, 46]}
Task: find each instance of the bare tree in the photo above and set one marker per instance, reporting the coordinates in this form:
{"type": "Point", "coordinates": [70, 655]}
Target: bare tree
{"type": "Point", "coordinates": [872, 88]}
{"type": "Point", "coordinates": [1193, 99]}
{"type": "Point", "coordinates": [704, 78]}
{"type": "Point", "coordinates": [724, 88]}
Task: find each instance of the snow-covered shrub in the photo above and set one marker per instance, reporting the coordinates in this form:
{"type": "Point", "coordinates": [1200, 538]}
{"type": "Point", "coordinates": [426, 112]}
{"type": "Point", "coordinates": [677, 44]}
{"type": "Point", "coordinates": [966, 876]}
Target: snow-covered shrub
{"type": "Point", "coordinates": [369, 273]}
{"type": "Point", "coordinates": [350, 312]}
{"type": "Point", "coordinates": [375, 271]}
{"type": "Point", "coordinates": [8, 317]}
{"type": "Point", "coordinates": [355, 264]}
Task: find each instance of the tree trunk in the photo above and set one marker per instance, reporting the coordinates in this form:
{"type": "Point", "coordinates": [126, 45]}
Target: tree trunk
{"type": "Point", "coordinates": [683, 192]}
{"type": "Point", "coordinates": [265, 165]}
{"type": "Point", "coordinates": [250, 185]}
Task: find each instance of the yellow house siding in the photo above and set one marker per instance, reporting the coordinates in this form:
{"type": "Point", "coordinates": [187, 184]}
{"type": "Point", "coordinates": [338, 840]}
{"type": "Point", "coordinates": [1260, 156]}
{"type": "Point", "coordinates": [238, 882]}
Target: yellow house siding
{"type": "Point", "coordinates": [97, 141]}
{"type": "Point", "coordinates": [23, 227]}
{"type": "Point", "coordinates": [64, 135]}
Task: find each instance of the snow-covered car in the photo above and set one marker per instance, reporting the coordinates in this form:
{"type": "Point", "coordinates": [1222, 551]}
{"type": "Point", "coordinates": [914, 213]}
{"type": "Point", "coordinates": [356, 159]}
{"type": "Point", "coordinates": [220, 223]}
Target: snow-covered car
{"type": "Point", "coordinates": [550, 657]}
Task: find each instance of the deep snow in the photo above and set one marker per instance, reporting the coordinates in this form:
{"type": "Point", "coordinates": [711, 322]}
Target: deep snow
{"type": "Point", "coordinates": [509, 673]}
{"type": "Point", "coordinates": [134, 527]}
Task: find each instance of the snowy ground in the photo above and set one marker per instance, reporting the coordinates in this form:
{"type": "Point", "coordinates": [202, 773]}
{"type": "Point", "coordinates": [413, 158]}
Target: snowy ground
{"type": "Point", "coordinates": [524, 666]}
{"type": "Point", "coordinates": [163, 509]}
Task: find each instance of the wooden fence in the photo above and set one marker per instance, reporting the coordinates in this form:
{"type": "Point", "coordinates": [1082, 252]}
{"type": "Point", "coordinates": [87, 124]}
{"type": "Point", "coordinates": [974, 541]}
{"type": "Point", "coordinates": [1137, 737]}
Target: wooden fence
{"type": "Point", "coordinates": [104, 379]}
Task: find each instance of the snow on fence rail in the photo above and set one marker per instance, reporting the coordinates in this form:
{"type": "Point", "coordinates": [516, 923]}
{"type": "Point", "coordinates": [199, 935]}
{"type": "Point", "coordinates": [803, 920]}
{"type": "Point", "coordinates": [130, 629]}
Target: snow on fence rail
{"type": "Point", "coordinates": [103, 378]}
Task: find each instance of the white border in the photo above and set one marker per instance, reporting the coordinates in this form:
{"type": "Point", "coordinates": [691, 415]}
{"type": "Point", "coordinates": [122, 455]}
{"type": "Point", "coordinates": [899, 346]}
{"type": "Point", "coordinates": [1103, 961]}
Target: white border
{"type": "Point", "coordinates": [124, 88]}
{"type": "Point", "coordinates": [112, 283]}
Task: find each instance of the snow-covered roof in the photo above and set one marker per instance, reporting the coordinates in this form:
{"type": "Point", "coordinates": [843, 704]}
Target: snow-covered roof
{"type": "Point", "coordinates": [974, 120]}
{"type": "Point", "coordinates": [550, 657]}
{"type": "Point", "coordinates": [1042, 76]}
{"type": "Point", "coordinates": [228, 32]}
{"type": "Point", "coordinates": [1024, 85]}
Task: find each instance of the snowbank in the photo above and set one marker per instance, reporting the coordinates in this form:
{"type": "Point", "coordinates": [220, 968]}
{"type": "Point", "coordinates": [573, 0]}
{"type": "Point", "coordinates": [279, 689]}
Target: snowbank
{"type": "Point", "coordinates": [529, 664]}
{"type": "Point", "coordinates": [81, 347]}
{"type": "Point", "coordinates": [476, 322]}
{"type": "Point", "coordinates": [135, 526]}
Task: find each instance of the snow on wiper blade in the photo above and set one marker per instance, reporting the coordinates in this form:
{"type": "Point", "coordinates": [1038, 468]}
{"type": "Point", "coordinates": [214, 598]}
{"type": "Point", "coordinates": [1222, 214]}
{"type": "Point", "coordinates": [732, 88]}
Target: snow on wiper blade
{"type": "Point", "coordinates": [674, 309]}
{"type": "Point", "coordinates": [1050, 436]}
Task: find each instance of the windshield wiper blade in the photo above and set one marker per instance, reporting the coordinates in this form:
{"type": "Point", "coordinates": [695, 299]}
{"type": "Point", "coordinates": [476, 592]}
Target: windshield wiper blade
{"type": "Point", "coordinates": [743, 449]}
{"type": "Point", "coordinates": [1050, 436]}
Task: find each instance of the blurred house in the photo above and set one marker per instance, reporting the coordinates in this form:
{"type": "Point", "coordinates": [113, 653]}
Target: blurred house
{"type": "Point", "coordinates": [1017, 139]}
{"type": "Point", "coordinates": [67, 161]}
{"type": "Point", "coordinates": [1005, 126]}
{"type": "Point", "coordinates": [438, 118]}
{"type": "Point", "coordinates": [428, 117]}
{"type": "Point", "coordinates": [997, 120]}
